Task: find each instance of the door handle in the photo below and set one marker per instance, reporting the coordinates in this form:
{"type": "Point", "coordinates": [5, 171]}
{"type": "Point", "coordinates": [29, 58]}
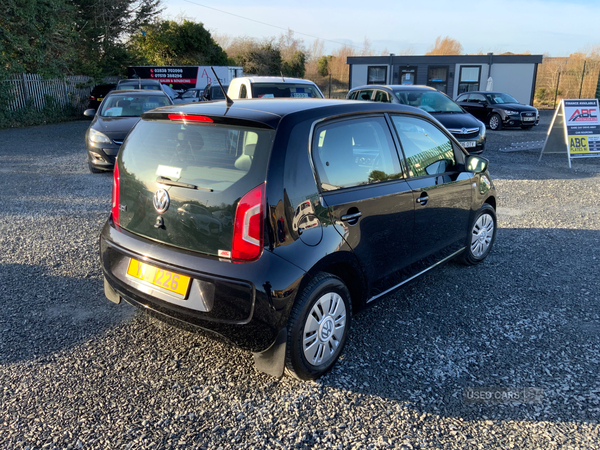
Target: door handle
{"type": "Point", "coordinates": [350, 217]}
{"type": "Point", "coordinates": [423, 199]}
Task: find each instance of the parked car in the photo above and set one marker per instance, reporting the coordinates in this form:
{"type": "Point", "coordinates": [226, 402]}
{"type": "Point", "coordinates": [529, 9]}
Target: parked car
{"type": "Point", "coordinates": [98, 93]}
{"type": "Point", "coordinates": [172, 93]}
{"type": "Point", "coordinates": [139, 83]}
{"type": "Point", "coordinates": [469, 131]}
{"type": "Point", "coordinates": [214, 92]}
{"type": "Point", "coordinates": [392, 194]}
{"type": "Point", "coordinates": [272, 87]}
{"type": "Point", "coordinates": [189, 96]}
{"type": "Point", "coordinates": [118, 113]}
{"type": "Point", "coordinates": [498, 109]}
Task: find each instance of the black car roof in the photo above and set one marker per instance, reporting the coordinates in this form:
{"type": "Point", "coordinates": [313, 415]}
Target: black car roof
{"type": "Point", "coordinates": [137, 92]}
{"type": "Point", "coordinates": [395, 87]}
{"type": "Point", "coordinates": [271, 111]}
{"type": "Point", "coordinates": [138, 80]}
{"type": "Point", "coordinates": [485, 92]}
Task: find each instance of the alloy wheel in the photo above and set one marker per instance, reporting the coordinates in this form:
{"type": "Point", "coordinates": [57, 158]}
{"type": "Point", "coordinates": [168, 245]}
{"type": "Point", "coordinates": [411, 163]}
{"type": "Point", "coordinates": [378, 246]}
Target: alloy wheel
{"type": "Point", "coordinates": [483, 232]}
{"type": "Point", "coordinates": [324, 329]}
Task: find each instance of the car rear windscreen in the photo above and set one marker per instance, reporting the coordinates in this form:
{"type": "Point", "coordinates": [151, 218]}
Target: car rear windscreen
{"type": "Point", "coordinates": [213, 165]}
{"type": "Point", "coordinates": [284, 90]}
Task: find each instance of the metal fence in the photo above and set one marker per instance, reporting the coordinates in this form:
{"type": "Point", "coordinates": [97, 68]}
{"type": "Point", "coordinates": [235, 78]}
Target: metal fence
{"type": "Point", "coordinates": [566, 77]}
{"type": "Point", "coordinates": [34, 89]}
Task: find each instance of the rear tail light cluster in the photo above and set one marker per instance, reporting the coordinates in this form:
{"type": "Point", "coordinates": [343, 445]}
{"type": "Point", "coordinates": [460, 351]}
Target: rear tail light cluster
{"type": "Point", "coordinates": [190, 118]}
{"type": "Point", "coordinates": [115, 195]}
{"type": "Point", "coordinates": [248, 234]}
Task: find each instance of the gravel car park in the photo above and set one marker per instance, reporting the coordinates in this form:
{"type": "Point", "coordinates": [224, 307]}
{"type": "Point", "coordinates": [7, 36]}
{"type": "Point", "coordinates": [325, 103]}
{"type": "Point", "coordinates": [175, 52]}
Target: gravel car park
{"type": "Point", "coordinates": [79, 372]}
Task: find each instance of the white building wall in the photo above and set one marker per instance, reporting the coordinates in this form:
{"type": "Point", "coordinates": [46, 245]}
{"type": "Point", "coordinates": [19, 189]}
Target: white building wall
{"type": "Point", "coordinates": [359, 74]}
{"type": "Point", "coordinates": [514, 79]}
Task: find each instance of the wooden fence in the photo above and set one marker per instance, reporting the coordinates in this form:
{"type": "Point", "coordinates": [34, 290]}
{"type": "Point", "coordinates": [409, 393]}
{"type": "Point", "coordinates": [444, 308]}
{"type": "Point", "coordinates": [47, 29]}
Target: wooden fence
{"type": "Point", "coordinates": [73, 90]}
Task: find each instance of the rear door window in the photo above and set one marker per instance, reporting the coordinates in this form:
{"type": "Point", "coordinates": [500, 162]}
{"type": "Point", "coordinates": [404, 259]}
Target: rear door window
{"type": "Point", "coordinates": [365, 94]}
{"type": "Point", "coordinates": [355, 152]}
{"type": "Point", "coordinates": [382, 96]}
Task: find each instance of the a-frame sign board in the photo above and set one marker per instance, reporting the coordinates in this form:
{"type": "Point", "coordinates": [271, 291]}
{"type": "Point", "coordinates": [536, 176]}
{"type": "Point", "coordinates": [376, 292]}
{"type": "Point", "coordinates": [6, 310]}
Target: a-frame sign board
{"type": "Point", "coordinates": [575, 130]}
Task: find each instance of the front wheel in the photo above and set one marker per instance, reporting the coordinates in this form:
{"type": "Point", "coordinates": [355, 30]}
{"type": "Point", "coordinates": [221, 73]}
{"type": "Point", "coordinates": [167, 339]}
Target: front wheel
{"type": "Point", "coordinates": [481, 236]}
{"type": "Point", "coordinates": [495, 122]}
{"type": "Point", "coordinates": [318, 327]}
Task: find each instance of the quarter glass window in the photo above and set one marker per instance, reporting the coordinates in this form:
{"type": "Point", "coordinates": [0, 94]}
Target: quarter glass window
{"type": "Point", "coordinates": [355, 152]}
{"type": "Point", "coordinates": [428, 151]}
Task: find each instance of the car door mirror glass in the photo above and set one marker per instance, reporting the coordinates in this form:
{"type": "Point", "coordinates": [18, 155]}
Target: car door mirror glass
{"type": "Point", "coordinates": [476, 164]}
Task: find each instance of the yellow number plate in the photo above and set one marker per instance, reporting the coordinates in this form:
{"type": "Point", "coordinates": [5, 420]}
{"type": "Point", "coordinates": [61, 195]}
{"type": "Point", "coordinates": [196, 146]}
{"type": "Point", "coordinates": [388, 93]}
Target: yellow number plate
{"type": "Point", "coordinates": [158, 277]}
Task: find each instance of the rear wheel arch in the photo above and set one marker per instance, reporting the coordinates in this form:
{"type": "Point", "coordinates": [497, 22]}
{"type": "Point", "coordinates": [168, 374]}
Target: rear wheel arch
{"type": "Point", "coordinates": [351, 275]}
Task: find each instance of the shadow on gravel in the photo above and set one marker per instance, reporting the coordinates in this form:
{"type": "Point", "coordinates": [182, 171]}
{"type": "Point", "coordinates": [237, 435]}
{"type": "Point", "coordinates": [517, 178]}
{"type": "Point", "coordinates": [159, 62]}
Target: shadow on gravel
{"type": "Point", "coordinates": [551, 167]}
{"type": "Point", "coordinates": [44, 313]}
{"type": "Point", "coordinates": [529, 317]}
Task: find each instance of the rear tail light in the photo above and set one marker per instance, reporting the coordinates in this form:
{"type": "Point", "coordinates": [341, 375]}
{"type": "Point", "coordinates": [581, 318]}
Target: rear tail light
{"type": "Point", "coordinates": [115, 195]}
{"type": "Point", "coordinates": [190, 118]}
{"type": "Point", "coordinates": [248, 225]}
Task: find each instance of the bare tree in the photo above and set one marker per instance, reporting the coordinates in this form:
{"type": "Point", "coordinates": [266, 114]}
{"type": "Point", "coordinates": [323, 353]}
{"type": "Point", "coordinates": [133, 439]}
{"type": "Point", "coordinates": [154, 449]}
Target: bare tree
{"type": "Point", "coordinates": [407, 51]}
{"type": "Point", "coordinates": [445, 46]}
{"type": "Point", "coordinates": [289, 45]}
{"type": "Point", "coordinates": [223, 39]}
{"type": "Point", "coordinates": [315, 52]}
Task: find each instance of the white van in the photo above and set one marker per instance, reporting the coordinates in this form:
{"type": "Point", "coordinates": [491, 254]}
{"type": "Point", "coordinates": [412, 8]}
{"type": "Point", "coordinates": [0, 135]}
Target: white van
{"type": "Point", "coordinates": [272, 87]}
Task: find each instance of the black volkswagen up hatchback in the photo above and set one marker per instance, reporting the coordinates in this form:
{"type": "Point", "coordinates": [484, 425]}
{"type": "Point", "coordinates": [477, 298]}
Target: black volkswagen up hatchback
{"type": "Point", "coordinates": [270, 222]}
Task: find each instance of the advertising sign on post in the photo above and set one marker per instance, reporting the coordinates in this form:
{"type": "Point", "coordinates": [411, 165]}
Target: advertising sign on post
{"type": "Point", "coordinates": [185, 77]}
{"type": "Point", "coordinates": [575, 130]}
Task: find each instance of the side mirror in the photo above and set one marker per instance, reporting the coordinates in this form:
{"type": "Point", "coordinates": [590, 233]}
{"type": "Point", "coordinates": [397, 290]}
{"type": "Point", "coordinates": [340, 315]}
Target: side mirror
{"type": "Point", "coordinates": [89, 112]}
{"type": "Point", "coordinates": [476, 164]}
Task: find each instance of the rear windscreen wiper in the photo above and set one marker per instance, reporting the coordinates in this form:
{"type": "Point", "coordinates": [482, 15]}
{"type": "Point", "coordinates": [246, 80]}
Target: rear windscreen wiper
{"type": "Point", "coordinates": [168, 182]}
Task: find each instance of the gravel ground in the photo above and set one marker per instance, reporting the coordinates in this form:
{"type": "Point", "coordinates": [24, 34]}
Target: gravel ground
{"type": "Point", "coordinates": [77, 371]}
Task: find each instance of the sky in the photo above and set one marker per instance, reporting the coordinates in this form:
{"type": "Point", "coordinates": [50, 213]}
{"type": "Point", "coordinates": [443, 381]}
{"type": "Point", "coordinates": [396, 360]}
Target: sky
{"type": "Point", "coordinates": [557, 28]}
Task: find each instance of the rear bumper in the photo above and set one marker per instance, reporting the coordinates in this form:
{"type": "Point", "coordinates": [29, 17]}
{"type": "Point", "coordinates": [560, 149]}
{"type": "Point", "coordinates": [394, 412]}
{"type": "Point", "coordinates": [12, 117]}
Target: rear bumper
{"type": "Point", "coordinates": [248, 304]}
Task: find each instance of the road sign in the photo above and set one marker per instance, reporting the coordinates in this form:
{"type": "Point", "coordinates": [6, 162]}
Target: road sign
{"type": "Point", "coordinates": [575, 130]}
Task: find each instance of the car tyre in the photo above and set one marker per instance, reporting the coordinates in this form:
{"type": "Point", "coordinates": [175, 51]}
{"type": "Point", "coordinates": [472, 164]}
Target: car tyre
{"type": "Point", "coordinates": [94, 169]}
{"type": "Point", "coordinates": [481, 237]}
{"type": "Point", "coordinates": [318, 327]}
{"type": "Point", "coordinates": [495, 122]}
